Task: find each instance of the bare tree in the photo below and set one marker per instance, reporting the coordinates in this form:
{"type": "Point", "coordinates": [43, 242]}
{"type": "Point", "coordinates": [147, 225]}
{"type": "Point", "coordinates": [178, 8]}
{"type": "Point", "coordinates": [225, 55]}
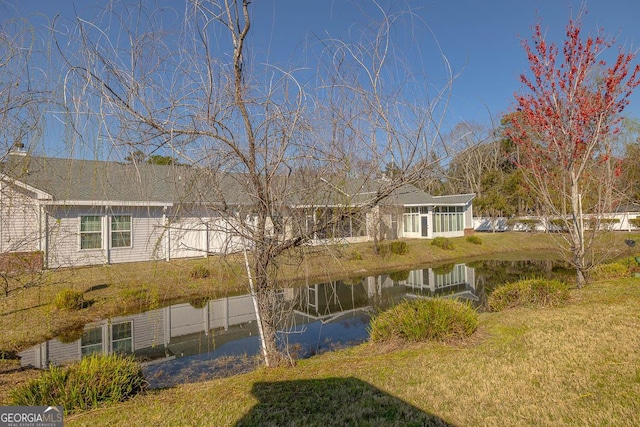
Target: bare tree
{"type": "Point", "coordinates": [281, 162]}
{"type": "Point", "coordinates": [481, 153]}
{"type": "Point", "coordinates": [23, 97]}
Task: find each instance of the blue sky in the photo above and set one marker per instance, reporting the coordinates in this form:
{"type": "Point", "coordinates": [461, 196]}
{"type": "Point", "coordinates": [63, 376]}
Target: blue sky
{"type": "Point", "coordinates": [481, 39]}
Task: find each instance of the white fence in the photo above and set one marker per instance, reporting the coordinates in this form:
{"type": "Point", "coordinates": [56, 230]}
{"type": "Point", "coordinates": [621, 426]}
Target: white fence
{"type": "Point", "coordinates": [613, 222]}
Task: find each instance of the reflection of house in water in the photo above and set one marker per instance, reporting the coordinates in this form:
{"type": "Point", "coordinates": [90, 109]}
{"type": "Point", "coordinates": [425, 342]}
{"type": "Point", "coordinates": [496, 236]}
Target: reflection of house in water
{"type": "Point", "coordinates": [227, 326]}
{"type": "Point", "coordinates": [327, 302]}
{"type": "Point", "coordinates": [458, 282]}
{"type": "Point", "coordinates": [170, 332]}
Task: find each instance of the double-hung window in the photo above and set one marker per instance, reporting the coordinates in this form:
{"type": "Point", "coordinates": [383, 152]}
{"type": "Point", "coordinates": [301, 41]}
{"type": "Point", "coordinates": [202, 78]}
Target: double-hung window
{"type": "Point", "coordinates": [91, 342]}
{"type": "Point", "coordinates": [91, 232]}
{"type": "Point", "coordinates": [122, 337]}
{"type": "Point", "coordinates": [121, 231]}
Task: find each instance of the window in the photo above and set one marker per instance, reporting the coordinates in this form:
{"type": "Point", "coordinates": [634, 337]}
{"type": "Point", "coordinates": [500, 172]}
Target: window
{"type": "Point", "coordinates": [448, 218]}
{"type": "Point", "coordinates": [121, 338]}
{"type": "Point", "coordinates": [457, 275]}
{"type": "Point", "coordinates": [91, 232]}
{"type": "Point", "coordinates": [411, 220]}
{"type": "Point", "coordinates": [91, 342]}
{"type": "Point", "coordinates": [121, 231]}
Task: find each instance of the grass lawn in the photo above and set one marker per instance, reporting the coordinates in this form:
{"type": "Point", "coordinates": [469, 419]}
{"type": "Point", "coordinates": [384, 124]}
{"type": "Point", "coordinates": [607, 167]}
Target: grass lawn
{"type": "Point", "coordinates": [574, 365]}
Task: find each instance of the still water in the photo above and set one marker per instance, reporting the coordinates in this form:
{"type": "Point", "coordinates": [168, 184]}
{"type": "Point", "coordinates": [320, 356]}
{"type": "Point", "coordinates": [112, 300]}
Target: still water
{"type": "Point", "coordinates": [200, 340]}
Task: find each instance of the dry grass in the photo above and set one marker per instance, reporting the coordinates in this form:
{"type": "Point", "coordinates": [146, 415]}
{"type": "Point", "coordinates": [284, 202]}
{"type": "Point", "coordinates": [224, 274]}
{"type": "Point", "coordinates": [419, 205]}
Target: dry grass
{"type": "Point", "coordinates": [11, 374]}
{"type": "Point", "coordinates": [574, 365]}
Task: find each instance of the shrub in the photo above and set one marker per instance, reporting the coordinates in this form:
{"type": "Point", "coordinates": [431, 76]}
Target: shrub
{"type": "Point", "coordinates": [396, 247]}
{"type": "Point", "coordinates": [68, 299]}
{"type": "Point", "coordinates": [443, 269]}
{"type": "Point", "coordinates": [71, 335]}
{"type": "Point", "coordinates": [443, 243]}
{"type": "Point", "coordinates": [94, 380]}
{"type": "Point", "coordinates": [353, 280]}
{"type": "Point", "coordinates": [530, 292]}
{"type": "Point", "coordinates": [474, 239]}
{"type": "Point", "coordinates": [399, 276]}
{"type": "Point", "coordinates": [199, 303]}
{"type": "Point", "coordinates": [425, 319]}
{"type": "Point", "coordinates": [614, 270]}
{"type": "Point", "coordinates": [355, 256]}
{"type": "Point", "coordinates": [200, 272]}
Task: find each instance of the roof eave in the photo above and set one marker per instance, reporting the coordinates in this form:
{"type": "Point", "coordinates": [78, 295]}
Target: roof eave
{"type": "Point", "coordinates": [108, 203]}
{"type": "Point", "coordinates": [40, 194]}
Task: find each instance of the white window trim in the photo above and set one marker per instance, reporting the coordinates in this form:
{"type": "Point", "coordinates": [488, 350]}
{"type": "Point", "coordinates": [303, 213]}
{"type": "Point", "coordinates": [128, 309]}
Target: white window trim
{"type": "Point", "coordinates": [80, 233]}
{"type": "Point", "coordinates": [111, 340]}
{"type": "Point", "coordinates": [111, 231]}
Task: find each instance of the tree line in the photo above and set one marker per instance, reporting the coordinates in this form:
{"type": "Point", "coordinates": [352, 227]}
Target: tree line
{"type": "Point", "coordinates": [488, 167]}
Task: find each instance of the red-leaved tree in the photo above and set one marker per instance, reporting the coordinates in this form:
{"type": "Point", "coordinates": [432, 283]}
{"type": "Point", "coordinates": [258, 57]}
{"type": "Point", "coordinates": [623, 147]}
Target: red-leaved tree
{"type": "Point", "coordinates": [566, 116]}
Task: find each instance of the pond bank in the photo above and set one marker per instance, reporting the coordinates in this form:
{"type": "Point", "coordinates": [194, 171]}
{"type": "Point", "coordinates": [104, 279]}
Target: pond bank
{"type": "Point", "coordinates": [29, 317]}
{"type": "Point", "coordinates": [542, 367]}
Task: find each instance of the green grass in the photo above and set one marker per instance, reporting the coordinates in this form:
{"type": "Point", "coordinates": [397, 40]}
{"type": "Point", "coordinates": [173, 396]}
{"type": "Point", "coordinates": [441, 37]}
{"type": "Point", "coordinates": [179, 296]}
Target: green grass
{"type": "Point", "coordinates": [93, 381]}
{"type": "Point", "coordinates": [612, 270]}
{"type": "Point", "coordinates": [476, 240]}
{"type": "Point", "coordinates": [425, 320]}
{"type": "Point", "coordinates": [572, 365]}
{"type": "Point", "coordinates": [443, 243]}
{"type": "Point", "coordinates": [529, 293]}
{"type": "Point", "coordinates": [68, 299]}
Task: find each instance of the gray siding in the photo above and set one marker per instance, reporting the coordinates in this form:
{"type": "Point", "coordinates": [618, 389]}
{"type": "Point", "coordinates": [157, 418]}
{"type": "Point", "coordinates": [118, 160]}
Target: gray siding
{"type": "Point", "coordinates": [19, 231]}
{"type": "Point", "coordinates": [220, 313]}
{"type": "Point", "coordinates": [63, 226]}
{"type": "Point", "coordinates": [147, 332]}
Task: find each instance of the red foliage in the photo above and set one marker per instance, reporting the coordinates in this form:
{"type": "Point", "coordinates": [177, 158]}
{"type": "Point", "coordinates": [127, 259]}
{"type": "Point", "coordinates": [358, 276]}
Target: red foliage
{"type": "Point", "coordinates": [573, 100]}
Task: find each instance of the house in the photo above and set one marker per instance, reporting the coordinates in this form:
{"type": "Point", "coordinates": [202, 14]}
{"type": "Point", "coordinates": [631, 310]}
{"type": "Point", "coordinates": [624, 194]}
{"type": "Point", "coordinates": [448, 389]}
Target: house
{"type": "Point", "coordinates": [70, 212]}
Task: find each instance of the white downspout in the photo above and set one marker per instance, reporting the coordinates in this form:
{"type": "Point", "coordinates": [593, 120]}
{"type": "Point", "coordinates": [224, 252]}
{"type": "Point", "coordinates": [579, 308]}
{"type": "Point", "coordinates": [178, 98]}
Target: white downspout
{"type": "Point", "coordinates": [167, 235]}
{"type": "Point", "coordinates": [107, 235]}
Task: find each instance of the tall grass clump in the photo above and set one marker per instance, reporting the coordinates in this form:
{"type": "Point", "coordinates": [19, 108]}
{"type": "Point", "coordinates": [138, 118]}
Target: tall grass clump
{"type": "Point", "coordinates": [68, 299]}
{"type": "Point", "coordinates": [199, 272]}
{"type": "Point", "coordinates": [442, 243]}
{"type": "Point", "coordinates": [425, 320]}
{"type": "Point", "coordinates": [614, 270]}
{"type": "Point", "coordinates": [95, 380]}
{"type": "Point", "coordinates": [474, 239]}
{"type": "Point", "coordinates": [530, 292]}
{"type": "Point", "coordinates": [396, 247]}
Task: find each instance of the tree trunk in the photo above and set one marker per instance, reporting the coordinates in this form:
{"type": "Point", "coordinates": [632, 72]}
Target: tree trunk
{"type": "Point", "coordinates": [577, 233]}
{"type": "Point", "coordinates": [268, 316]}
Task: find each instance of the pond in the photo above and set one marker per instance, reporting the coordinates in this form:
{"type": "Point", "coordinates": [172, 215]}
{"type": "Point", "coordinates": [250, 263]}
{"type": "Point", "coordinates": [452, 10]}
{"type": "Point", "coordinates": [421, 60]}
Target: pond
{"type": "Point", "coordinates": [205, 339]}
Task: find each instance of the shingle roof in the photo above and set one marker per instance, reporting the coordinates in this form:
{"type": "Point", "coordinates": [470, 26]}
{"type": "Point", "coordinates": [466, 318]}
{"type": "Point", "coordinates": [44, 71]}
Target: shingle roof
{"type": "Point", "coordinates": [408, 195]}
{"type": "Point", "coordinates": [72, 180]}
{"type": "Point", "coordinates": [92, 180]}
